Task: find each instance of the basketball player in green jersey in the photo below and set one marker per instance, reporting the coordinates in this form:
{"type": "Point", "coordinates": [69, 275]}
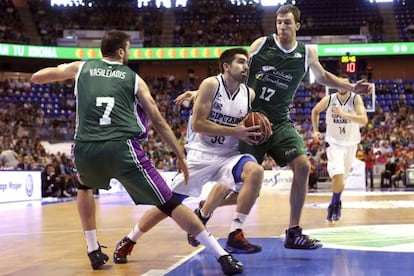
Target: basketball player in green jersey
{"type": "Point", "coordinates": [107, 143]}
{"type": "Point", "coordinates": [278, 63]}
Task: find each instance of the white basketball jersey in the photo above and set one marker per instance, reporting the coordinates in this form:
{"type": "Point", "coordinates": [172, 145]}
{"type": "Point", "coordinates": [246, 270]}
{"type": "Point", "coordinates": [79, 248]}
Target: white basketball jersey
{"type": "Point", "coordinates": [227, 110]}
{"type": "Point", "coordinates": [339, 130]}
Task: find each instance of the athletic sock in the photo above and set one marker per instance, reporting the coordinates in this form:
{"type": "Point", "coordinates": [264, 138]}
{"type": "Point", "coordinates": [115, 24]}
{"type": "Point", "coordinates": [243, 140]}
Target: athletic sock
{"type": "Point", "coordinates": [135, 233]}
{"type": "Point", "coordinates": [91, 240]}
{"type": "Point", "coordinates": [238, 221]}
{"type": "Point", "coordinates": [204, 215]}
{"type": "Point", "coordinates": [210, 242]}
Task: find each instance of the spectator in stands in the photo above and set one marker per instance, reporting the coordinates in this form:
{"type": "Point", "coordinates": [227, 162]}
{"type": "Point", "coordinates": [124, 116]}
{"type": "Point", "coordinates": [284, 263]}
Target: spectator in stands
{"type": "Point", "coordinates": [8, 159]}
{"type": "Point", "coordinates": [49, 182]}
{"type": "Point", "coordinates": [399, 175]}
{"type": "Point", "coordinates": [313, 175]}
{"type": "Point", "coordinates": [25, 164]}
{"type": "Point", "coordinates": [380, 158]}
{"type": "Point", "coordinates": [389, 171]}
{"type": "Point", "coordinates": [369, 159]}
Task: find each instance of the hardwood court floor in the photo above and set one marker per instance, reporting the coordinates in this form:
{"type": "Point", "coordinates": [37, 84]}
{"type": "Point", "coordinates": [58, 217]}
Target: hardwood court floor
{"type": "Point", "coordinates": [47, 239]}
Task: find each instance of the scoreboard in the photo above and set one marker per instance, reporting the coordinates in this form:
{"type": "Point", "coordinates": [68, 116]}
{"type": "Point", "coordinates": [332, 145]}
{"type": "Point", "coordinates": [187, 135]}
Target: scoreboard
{"type": "Point", "coordinates": [349, 64]}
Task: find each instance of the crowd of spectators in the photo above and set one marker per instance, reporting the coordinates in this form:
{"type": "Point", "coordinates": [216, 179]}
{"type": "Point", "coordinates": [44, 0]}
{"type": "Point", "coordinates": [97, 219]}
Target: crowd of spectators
{"type": "Point", "coordinates": [51, 21]}
{"type": "Point", "coordinates": [11, 27]}
{"type": "Point", "coordinates": [208, 23]}
{"type": "Point", "coordinates": [387, 139]}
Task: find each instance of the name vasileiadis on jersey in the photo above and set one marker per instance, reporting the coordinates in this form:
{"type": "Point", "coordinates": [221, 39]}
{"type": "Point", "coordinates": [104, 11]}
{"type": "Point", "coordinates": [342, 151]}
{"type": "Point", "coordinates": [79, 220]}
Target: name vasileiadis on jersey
{"type": "Point", "coordinates": [106, 73]}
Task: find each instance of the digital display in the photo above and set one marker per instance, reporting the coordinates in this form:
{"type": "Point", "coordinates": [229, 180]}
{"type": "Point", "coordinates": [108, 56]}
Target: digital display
{"type": "Point", "coordinates": [349, 65]}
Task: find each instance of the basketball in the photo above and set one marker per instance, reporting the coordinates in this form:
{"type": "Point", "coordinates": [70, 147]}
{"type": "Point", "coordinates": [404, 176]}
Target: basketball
{"type": "Point", "coordinates": [259, 119]}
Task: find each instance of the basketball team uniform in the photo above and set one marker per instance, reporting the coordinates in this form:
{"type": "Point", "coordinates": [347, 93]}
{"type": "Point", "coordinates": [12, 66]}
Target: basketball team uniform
{"type": "Point", "coordinates": [109, 128]}
{"type": "Point", "coordinates": [342, 135]}
{"type": "Point", "coordinates": [275, 74]}
{"type": "Point", "coordinates": [216, 158]}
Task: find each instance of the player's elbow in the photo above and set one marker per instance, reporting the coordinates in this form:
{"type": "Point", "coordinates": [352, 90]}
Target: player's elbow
{"type": "Point", "coordinates": [197, 126]}
{"type": "Point", "coordinates": [36, 79]}
{"type": "Point", "coordinates": [314, 113]}
{"type": "Point", "coordinates": [364, 121]}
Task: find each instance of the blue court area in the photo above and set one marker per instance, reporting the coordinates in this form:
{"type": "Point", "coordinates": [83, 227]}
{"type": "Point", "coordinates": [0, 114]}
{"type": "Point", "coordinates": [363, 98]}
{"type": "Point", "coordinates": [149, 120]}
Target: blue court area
{"type": "Point", "coordinates": [276, 260]}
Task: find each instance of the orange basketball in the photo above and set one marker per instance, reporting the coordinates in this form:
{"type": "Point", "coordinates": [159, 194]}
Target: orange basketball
{"type": "Point", "coordinates": [259, 119]}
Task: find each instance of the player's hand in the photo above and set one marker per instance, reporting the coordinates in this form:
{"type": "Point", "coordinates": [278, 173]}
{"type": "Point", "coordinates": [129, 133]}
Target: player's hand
{"type": "Point", "coordinates": [317, 136]}
{"type": "Point", "coordinates": [337, 110]}
{"type": "Point", "coordinates": [247, 134]}
{"type": "Point", "coordinates": [362, 87]}
{"type": "Point", "coordinates": [186, 96]}
{"type": "Point", "coordinates": [182, 168]}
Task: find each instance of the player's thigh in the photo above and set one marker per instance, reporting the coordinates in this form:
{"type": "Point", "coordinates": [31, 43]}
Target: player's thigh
{"type": "Point", "coordinates": [138, 175]}
{"type": "Point", "coordinates": [91, 167]}
{"type": "Point", "coordinates": [230, 171]}
{"type": "Point", "coordinates": [258, 151]}
{"type": "Point", "coordinates": [336, 160]}
{"type": "Point", "coordinates": [349, 158]}
{"type": "Point", "coordinates": [286, 144]}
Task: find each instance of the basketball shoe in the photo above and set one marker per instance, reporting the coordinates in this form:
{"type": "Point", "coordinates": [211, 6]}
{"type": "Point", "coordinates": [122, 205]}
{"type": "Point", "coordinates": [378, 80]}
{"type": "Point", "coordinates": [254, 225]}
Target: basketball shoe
{"type": "Point", "coordinates": [296, 240]}
{"type": "Point", "coordinates": [122, 249]}
{"type": "Point", "coordinates": [334, 212]}
{"type": "Point", "coordinates": [237, 243]}
{"type": "Point", "coordinates": [98, 258]}
{"type": "Point", "coordinates": [230, 265]}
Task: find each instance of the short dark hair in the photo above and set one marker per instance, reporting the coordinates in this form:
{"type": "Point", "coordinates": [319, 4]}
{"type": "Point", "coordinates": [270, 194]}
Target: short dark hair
{"type": "Point", "coordinates": [112, 41]}
{"type": "Point", "coordinates": [285, 9]}
{"type": "Point", "coordinates": [228, 56]}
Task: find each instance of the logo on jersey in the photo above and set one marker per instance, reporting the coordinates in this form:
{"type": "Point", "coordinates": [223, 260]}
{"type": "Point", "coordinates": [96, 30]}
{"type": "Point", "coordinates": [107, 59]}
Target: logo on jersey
{"type": "Point", "coordinates": [267, 68]}
{"type": "Point", "coordinates": [217, 106]}
{"type": "Point", "coordinates": [298, 55]}
{"type": "Point", "coordinates": [290, 152]}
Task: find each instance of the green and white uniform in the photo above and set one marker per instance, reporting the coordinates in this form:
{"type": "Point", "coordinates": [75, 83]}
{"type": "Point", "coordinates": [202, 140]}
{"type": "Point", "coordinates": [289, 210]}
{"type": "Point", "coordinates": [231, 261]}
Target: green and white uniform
{"type": "Point", "coordinates": [275, 74]}
{"type": "Point", "coordinates": [109, 127]}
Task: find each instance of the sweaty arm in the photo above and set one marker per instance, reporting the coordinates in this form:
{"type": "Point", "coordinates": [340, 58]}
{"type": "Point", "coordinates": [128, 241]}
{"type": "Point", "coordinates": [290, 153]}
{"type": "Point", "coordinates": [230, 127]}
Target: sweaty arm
{"type": "Point", "coordinates": [158, 122]}
{"type": "Point", "coordinates": [160, 125]}
{"type": "Point", "coordinates": [61, 72]}
{"type": "Point", "coordinates": [360, 117]}
{"type": "Point", "coordinates": [328, 79]}
{"type": "Point", "coordinates": [256, 45]}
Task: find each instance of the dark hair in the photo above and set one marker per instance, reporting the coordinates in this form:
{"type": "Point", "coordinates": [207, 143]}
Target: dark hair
{"type": "Point", "coordinates": [112, 41]}
{"type": "Point", "coordinates": [289, 8]}
{"type": "Point", "coordinates": [228, 56]}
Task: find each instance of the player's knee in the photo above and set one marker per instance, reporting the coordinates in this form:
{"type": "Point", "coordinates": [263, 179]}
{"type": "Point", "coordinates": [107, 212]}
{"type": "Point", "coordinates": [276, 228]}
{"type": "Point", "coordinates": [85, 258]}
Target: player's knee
{"type": "Point", "coordinates": [254, 170]}
{"type": "Point", "coordinates": [257, 170]}
{"type": "Point", "coordinates": [301, 164]}
{"type": "Point", "coordinates": [169, 206]}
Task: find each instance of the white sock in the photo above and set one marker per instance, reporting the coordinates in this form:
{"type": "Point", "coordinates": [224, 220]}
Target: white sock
{"type": "Point", "coordinates": [210, 242]}
{"type": "Point", "coordinates": [135, 233]}
{"type": "Point", "coordinates": [91, 240]}
{"type": "Point", "coordinates": [238, 221]}
{"type": "Point", "coordinates": [204, 215]}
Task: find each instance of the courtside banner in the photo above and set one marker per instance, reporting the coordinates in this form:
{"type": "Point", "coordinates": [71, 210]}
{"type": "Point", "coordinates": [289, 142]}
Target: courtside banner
{"type": "Point", "coordinates": [20, 186]}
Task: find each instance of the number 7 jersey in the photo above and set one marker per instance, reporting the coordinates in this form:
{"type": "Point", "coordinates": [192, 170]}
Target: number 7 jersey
{"type": "Point", "coordinates": [106, 105]}
{"type": "Point", "coordinates": [226, 110]}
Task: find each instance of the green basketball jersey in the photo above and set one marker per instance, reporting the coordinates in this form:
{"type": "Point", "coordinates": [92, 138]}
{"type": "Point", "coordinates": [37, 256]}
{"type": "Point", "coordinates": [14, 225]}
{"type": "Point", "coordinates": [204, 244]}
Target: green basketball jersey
{"type": "Point", "coordinates": [106, 102]}
{"type": "Point", "coordinates": [275, 75]}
